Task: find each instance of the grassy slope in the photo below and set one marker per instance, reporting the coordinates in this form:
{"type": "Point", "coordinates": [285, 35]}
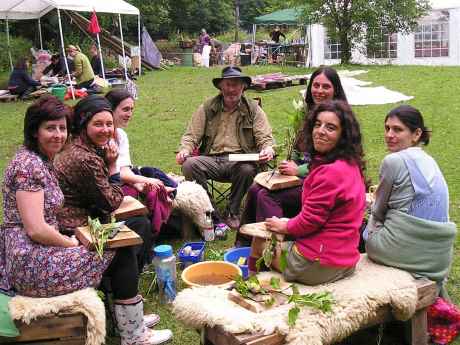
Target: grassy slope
{"type": "Point", "coordinates": [168, 98]}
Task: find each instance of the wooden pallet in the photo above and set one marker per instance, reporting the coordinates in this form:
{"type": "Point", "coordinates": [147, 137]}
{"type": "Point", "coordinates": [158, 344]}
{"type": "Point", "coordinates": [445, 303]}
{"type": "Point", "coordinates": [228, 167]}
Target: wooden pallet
{"type": "Point", "coordinates": [277, 82]}
{"type": "Point", "coordinates": [427, 293]}
{"type": "Point", "coordinates": [8, 98]}
{"type": "Point", "coordinates": [55, 329]}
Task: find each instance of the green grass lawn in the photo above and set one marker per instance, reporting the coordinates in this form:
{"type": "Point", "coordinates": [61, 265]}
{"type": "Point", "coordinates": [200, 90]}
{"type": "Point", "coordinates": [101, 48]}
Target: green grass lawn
{"type": "Point", "coordinates": [168, 98]}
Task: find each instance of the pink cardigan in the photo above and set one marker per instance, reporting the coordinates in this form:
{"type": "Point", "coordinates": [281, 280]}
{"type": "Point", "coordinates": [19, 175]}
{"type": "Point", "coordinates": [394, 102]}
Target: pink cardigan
{"type": "Point", "coordinates": [333, 203]}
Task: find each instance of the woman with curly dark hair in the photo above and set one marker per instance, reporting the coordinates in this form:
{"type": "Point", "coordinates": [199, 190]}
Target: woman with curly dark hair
{"type": "Point", "coordinates": [262, 203]}
{"type": "Point", "coordinates": [326, 231]}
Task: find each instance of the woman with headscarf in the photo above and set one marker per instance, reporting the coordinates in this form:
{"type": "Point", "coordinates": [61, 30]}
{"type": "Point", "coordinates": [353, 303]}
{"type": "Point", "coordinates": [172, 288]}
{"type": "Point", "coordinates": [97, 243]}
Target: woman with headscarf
{"type": "Point", "coordinates": [87, 173]}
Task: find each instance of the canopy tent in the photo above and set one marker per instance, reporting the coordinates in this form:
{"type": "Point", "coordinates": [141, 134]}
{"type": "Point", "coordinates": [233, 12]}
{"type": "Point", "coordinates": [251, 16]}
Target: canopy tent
{"type": "Point", "coordinates": [444, 4]}
{"type": "Point", "coordinates": [289, 16]}
{"type": "Point", "coordinates": [35, 9]}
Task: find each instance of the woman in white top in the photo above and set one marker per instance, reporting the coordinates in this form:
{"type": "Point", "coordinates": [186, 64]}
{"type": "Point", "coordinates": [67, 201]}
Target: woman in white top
{"type": "Point", "coordinates": [156, 187]}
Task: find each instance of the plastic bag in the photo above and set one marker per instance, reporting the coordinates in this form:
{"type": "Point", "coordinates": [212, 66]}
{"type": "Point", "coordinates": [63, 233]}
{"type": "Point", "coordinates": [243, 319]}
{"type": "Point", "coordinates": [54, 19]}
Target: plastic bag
{"type": "Point", "coordinates": [443, 321]}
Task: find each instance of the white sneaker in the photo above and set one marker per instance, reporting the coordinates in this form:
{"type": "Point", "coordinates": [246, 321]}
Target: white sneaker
{"type": "Point", "coordinates": [158, 337]}
{"type": "Point", "coordinates": [151, 320]}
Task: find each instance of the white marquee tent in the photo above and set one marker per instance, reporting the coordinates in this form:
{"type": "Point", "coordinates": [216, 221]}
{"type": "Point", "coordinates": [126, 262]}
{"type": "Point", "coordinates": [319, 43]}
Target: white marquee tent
{"type": "Point", "coordinates": [405, 54]}
{"type": "Point", "coordinates": [35, 9]}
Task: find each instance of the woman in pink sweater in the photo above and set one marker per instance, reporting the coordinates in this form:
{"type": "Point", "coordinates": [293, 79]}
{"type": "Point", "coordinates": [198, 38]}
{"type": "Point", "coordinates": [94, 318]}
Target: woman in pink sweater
{"type": "Point", "coordinates": [326, 231]}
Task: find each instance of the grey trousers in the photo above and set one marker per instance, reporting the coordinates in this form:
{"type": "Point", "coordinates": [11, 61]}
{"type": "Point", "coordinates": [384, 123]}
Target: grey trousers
{"type": "Point", "coordinates": [311, 272]}
{"type": "Point", "coordinates": [219, 168]}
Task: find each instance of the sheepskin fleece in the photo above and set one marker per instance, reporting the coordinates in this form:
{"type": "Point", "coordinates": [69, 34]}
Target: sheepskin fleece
{"type": "Point", "coordinates": [85, 301]}
{"type": "Point", "coordinates": [357, 298]}
{"type": "Point", "coordinates": [193, 201]}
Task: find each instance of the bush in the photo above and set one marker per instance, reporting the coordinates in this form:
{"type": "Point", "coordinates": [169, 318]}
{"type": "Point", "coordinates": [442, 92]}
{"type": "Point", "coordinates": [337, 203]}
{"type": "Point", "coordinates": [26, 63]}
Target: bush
{"type": "Point", "coordinates": [19, 46]}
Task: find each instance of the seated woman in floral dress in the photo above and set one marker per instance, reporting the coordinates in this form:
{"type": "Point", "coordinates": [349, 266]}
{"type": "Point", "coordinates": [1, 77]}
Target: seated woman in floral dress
{"type": "Point", "coordinates": [36, 259]}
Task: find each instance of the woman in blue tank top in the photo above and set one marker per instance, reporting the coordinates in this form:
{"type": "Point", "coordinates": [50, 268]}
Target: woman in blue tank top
{"type": "Point", "coordinates": [409, 225]}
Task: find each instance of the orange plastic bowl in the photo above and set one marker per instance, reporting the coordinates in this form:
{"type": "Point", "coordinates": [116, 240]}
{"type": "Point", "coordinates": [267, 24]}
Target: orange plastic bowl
{"type": "Point", "coordinates": [216, 273]}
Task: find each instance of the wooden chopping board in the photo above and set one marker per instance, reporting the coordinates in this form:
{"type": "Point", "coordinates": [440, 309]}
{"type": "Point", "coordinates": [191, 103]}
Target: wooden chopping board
{"type": "Point", "coordinates": [276, 181]}
{"type": "Point", "coordinates": [259, 230]}
{"type": "Point", "coordinates": [256, 303]}
{"type": "Point", "coordinates": [130, 207]}
{"type": "Point", "coordinates": [124, 238]}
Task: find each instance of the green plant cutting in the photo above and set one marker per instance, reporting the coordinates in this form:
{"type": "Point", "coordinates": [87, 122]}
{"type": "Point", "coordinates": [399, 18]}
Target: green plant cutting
{"type": "Point", "coordinates": [100, 233]}
{"type": "Point", "coordinates": [319, 300]}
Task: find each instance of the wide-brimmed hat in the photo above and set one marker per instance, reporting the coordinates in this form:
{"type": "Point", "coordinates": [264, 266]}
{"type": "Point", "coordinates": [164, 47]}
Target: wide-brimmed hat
{"type": "Point", "coordinates": [232, 72]}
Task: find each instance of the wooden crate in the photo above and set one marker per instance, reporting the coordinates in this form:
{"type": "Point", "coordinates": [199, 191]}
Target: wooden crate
{"type": "Point", "coordinates": [55, 329]}
{"type": "Point", "coordinates": [427, 293]}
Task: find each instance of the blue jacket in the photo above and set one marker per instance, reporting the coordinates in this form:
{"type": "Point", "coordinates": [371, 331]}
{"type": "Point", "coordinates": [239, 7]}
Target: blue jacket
{"type": "Point", "coordinates": [21, 80]}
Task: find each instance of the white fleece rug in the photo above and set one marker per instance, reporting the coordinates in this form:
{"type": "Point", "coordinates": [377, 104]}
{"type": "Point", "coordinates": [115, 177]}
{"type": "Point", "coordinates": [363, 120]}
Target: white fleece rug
{"type": "Point", "coordinates": [85, 301]}
{"type": "Point", "coordinates": [357, 297]}
{"type": "Point", "coordinates": [359, 92]}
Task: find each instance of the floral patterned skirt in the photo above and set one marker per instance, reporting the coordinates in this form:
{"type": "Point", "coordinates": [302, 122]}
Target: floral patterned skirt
{"type": "Point", "coordinates": [36, 270]}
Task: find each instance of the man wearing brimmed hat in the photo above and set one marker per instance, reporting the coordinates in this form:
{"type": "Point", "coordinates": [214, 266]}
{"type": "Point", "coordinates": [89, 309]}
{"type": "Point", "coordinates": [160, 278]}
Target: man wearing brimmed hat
{"type": "Point", "coordinates": [227, 123]}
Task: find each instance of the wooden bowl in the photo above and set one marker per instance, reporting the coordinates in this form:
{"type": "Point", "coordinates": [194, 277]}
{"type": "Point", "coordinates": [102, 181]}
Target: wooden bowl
{"type": "Point", "coordinates": [216, 273]}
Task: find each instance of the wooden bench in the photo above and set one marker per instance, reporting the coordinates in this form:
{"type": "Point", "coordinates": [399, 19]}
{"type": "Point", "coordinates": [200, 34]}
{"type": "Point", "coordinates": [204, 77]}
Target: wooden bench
{"type": "Point", "coordinates": [55, 329]}
{"type": "Point", "coordinates": [8, 98]}
{"type": "Point", "coordinates": [427, 293]}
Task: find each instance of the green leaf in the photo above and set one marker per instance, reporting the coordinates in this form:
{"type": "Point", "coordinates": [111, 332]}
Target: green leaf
{"type": "Point", "coordinates": [275, 282]}
{"type": "Point", "coordinates": [268, 256]}
{"type": "Point", "coordinates": [259, 263]}
{"type": "Point", "coordinates": [283, 260]}
{"type": "Point", "coordinates": [293, 315]}
{"type": "Point", "coordinates": [269, 302]}
{"type": "Point", "coordinates": [295, 289]}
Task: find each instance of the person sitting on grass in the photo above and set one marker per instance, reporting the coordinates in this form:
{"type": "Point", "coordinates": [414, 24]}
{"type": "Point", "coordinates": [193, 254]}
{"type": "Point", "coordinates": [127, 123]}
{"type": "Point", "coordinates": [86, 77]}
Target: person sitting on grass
{"type": "Point", "coordinates": [227, 123]}
{"type": "Point", "coordinates": [262, 203]}
{"type": "Point", "coordinates": [326, 231]}
{"type": "Point", "coordinates": [36, 259]}
{"type": "Point", "coordinates": [20, 83]}
{"type": "Point", "coordinates": [409, 226]}
{"type": "Point", "coordinates": [139, 180]}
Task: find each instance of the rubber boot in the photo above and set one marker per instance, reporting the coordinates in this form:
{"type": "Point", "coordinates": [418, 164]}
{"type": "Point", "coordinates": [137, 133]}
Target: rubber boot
{"type": "Point", "coordinates": [130, 322]}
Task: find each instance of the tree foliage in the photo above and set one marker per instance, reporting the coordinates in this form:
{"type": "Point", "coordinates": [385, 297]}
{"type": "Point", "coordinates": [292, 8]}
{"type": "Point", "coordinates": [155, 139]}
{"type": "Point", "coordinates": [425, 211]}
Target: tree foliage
{"type": "Point", "coordinates": [348, 20]}
{"type": "Point", "coordinates": [164, 18]}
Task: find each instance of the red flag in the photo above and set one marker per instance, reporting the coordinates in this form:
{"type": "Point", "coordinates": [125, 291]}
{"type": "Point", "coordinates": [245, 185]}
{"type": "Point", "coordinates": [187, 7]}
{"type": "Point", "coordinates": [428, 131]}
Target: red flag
{"type": "Point", "coordinates": [93, 26]}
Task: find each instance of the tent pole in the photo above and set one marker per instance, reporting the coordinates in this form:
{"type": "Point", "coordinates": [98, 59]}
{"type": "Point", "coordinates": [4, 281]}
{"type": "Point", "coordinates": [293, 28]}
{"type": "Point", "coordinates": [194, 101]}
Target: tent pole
{"type": "Point", "coordinates": [40, 33]}
{"type": "Point", "coordinates": [254, 28]}
{"type": "Point", "coordinates": [122, 46]}
{"type": "Point", "coordinates": [305, 49]}
{"type": "Point", "coordinates": [8, 43]}
{"type": "Point", "coordinates": [139, 40]}
{"type": "Point", "coordinates": [64, 54]}
{"type": "Point", "coordinates": [100, 54]}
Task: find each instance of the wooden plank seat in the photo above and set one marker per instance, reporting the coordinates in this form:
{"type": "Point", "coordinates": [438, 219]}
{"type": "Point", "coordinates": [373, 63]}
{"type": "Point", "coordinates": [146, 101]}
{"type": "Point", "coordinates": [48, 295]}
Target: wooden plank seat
{"type": "Point", "coordinates": [53, 329]}
{"type": "Point", "coordinates": [8, 98]}
{"type": "Point", "coordinates": [427, 293]}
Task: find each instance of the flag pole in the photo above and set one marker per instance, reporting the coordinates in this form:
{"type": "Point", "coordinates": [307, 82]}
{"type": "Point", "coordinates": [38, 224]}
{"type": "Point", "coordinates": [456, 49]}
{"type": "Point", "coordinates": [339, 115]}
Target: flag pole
{"type": "Point", "coordinates": [100, 54]}
{"type": "Point", "coordinates": [99, 43]}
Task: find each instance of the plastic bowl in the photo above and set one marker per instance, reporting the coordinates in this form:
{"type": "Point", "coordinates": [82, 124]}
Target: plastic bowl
{"type": "Point", "coordinates": [232, 255]}
{"type": "Point", "coordinates": [216, 273]}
